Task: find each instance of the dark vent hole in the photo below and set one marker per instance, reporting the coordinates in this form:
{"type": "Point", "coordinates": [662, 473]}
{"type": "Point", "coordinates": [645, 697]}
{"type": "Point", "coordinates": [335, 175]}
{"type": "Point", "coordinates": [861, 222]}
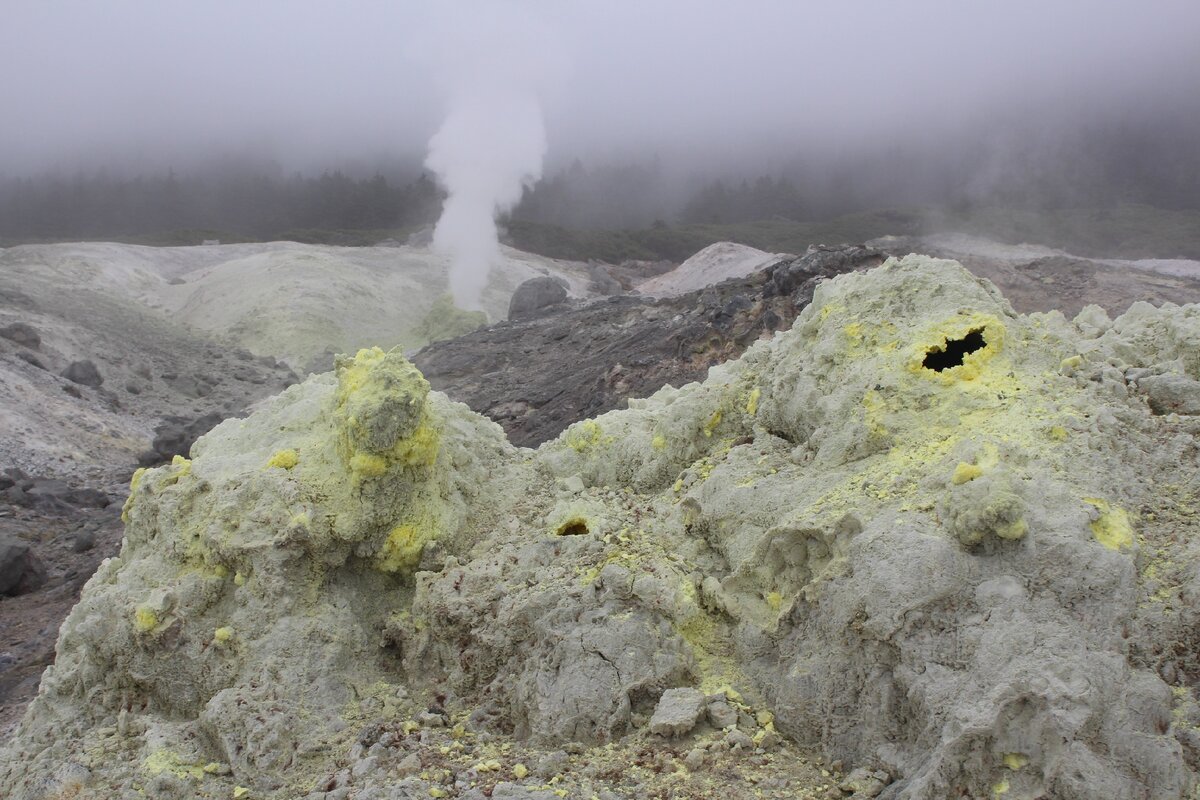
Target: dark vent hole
{"type": "Point", "coordinates": [575, 527]}
{"type": "Point", "coordinates": [940, 358]}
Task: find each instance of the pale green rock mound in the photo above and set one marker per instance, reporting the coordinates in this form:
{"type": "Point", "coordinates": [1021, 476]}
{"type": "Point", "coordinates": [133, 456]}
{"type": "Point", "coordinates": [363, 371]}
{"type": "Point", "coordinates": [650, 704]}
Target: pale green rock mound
{"type": "Point", "coordinates": [935, 540]}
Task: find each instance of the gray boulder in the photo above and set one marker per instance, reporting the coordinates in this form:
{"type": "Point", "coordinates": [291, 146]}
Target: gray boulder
{"type": "Point", "coordinates": [536, 294]}
{"type": "Point", "coordinates": [84, 373]}
{"type": "Point", "coordinates": [677, 712]}
{"type": "Point", "coordinates": [20, 569]}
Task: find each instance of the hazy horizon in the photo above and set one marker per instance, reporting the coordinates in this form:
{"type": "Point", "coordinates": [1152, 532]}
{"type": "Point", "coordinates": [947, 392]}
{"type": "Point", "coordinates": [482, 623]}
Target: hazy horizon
{"type": "Point", "coordinates": [745, 87]}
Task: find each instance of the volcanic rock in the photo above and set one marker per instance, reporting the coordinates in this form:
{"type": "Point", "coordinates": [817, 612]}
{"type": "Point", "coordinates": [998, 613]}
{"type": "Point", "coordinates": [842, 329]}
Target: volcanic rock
{"type": "Point", "coordinates": [84, 373]}
{"type": "Point", "coordinates": [20, 569]}
{"type": "Point", "coordinates": [534, 295]}
{"type": "Point", "coordinates": [536, 376]}
{"type": "Point", "coordinates": [677, 712]}
{"type": "Point", "coordinates": [918, 532]}
{"type": "Point", "coordinates": [22, 334]}
{"type": "Point", "coordinates": [174, 437]}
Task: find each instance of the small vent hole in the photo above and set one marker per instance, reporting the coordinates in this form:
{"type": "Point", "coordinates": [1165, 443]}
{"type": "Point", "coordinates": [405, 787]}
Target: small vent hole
{"type": "Point", "coordinates": [574, 527]}
{"type": "Point", "coordinates": [952, 354]}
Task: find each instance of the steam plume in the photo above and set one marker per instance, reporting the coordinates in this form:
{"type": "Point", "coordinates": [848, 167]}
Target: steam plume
{"type": "Point", "coordinates": [491, 144]}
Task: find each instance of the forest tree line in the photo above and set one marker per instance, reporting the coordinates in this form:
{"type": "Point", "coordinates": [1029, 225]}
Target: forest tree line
{"type": "Point", "coordinates": [1098, 169]}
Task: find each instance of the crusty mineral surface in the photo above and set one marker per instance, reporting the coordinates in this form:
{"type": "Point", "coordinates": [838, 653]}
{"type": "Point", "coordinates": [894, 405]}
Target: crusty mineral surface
{"type": "Point", "coordinates": [950, 547]}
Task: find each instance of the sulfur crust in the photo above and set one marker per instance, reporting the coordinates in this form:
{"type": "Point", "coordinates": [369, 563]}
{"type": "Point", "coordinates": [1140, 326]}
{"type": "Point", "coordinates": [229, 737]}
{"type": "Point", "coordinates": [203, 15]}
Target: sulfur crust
{"type": "Point", "coordinates": [765, 534]}
{"type": "Point", "coordinates": [1113, 528]}
{"type": "Point", "coordinates": [284, 459]}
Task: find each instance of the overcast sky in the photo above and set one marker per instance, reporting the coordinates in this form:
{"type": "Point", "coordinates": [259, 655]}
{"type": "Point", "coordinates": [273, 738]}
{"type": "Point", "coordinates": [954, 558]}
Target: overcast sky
{"type": "Point", "coordinates": [152, 82]}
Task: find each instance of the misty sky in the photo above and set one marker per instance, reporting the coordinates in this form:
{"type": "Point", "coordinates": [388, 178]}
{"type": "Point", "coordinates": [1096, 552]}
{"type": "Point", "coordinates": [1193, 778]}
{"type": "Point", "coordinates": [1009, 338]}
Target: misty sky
{"type": "Point", "coordinates": [146, 84]}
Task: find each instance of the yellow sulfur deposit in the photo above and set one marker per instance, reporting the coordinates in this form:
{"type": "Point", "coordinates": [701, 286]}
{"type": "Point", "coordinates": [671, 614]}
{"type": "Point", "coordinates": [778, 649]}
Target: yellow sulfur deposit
{"type": "Point", "coordinates": [403, 546]}
{"type": "Point", "coordinates": [145, 619]}
{"type": "Point", "coordinates": [1112, 528]}
{"type": "Point", "coordinates": [382, 414]}
{"type": "Point", "coordinates": [965, 472]}
{"type": "Point", "coordinates": [284, 459]}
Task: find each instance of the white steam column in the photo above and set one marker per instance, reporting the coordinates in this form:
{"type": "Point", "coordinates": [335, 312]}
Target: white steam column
{"type": "Point", "coordinates": [491, 144]}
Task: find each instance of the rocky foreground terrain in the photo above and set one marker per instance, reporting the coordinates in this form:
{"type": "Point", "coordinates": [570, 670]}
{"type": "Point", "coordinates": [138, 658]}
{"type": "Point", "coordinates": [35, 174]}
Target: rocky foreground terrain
{"type": "Point", "coordinates": [110, 358]}
{"type": "Point", "coordinates": [917, 546]}
{"type": "Point", "coordinates": [113, 356]}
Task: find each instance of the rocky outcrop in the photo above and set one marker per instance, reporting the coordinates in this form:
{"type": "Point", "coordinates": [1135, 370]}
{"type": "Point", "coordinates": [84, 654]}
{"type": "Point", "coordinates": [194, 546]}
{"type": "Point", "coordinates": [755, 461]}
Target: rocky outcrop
{"type": "Point", "coordinates": [536, 376]}
{"type": "Point", "coordinates": [946, 545]}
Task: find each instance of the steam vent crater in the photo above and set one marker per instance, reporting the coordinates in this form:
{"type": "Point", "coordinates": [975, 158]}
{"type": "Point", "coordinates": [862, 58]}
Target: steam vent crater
{"type": "Point", "coordinates": [949, 546]}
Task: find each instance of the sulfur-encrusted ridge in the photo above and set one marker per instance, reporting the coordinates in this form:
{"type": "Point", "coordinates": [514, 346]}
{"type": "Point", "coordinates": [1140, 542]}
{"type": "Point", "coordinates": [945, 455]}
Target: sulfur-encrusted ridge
{"type": "Point", "coordinates": [919, 533]}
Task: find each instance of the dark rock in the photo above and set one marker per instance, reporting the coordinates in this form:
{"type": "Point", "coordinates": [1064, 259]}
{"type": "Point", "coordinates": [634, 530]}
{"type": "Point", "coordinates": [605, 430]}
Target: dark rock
{"type": "Point", "coordinates": [545, 371]}
{"type": "Point", "coordinates": [88, 498]}
{"type": "Point", "coordinates": [21, 571]}
{"type": "Point", "coordinates": [30, 358]}
{"type": "Point", "coordinates": [83, 542]}
{"type": "Point", "coordinates": [534, 295]}
{"type": "Point", "coordinates": [133, 388]}
{"type": "Point", "coordinates": [175, 435]}
{"type": "Point", "coordinates": [22, 334]}
{"type": "Point", "coordinates": [84, 373]}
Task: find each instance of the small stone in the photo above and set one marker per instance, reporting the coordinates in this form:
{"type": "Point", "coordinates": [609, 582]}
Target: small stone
{"type": "Point", "coordinates": [409, 765]}
{"type": "Point", "coordinates": [767, 739]}
{"type": "Point", "coordinates": [677, 712]}
{"type": "Point", "coordinates": [83, 542]}
{"type": "Point", "coordinates": [695, 758]}
{"type": "Point", "coordinates": [428, 719]}
{"type": "Point", "coordinates": [551, 764]}
{"type": "Point", "coordinates": [863, 783]}
{"type": "Point", "coordinates": [365, 767]}
{"type": "Point", "coordinates": [573, 484]}
{"type": "Point", "coordinates": [738, 740]}
{"type": "Point", "coordinates": [721, 714]}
